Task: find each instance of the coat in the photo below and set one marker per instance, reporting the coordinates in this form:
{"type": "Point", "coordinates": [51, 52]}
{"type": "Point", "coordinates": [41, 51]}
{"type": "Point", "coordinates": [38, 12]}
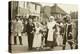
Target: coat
{"type": "Point", "coordinates": [30, 28]}
{"type": "Point", "coordinates": [19, 28]}
{"type": "Point", "coordinates": [67, 32]}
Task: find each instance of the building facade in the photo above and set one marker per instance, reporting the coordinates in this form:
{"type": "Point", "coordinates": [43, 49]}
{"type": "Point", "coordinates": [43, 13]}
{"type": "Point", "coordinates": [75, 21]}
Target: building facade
{"type": "Point", "coordinates": [45, 12]}
{"type": "Point", "coordinates": [29, 8]}
{"type": "Point", "coordinates": [24, 9]}
{"type": "Point", "coordinates": [54, 10]}
{"type": "Point", "coordinates": [13, 8]}
{"type": "Point", "coordinates": [57, 12]}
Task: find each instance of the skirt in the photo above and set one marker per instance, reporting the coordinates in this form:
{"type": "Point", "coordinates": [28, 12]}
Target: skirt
{"type": "Point", "coordinates": [37, 40]}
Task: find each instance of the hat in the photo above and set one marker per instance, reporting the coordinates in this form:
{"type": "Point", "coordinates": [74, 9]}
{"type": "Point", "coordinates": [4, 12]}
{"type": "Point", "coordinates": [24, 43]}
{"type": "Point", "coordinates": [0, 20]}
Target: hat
{"type": "Point", "coordinates": [68, 17]}
{"type": "Point", "coordinates": [51, 17]}
{"type": "Point", "coordinates": [64, 18]}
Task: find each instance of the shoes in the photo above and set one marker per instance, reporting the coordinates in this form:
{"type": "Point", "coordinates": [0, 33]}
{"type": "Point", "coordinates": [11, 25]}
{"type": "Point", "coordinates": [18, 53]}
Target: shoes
{"type": "Point", "coordinates": [21, 44]}
{"type": "Point", "coordinates": [14, 44]}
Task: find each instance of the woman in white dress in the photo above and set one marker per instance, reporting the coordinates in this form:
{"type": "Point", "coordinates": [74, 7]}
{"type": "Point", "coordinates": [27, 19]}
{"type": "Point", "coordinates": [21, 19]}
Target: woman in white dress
{"type": "Point", "coordinates": [37, 36]}
{"type": "Point", "coordinates": [51, 29]}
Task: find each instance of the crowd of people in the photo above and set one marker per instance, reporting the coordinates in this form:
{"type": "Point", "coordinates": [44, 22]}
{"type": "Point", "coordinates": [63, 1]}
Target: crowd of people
{"type": "Point", "coordinates": [44, 34]}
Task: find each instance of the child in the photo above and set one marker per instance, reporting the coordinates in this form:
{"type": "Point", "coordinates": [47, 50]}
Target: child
{"type": "Point", "coordinates": [44, 33]}
{"type": "Point", "coordinates": [59, 38]}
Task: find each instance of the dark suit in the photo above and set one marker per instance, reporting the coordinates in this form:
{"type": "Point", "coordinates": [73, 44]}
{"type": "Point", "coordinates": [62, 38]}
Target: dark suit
{"type": "Point", "coordinates": [64, 35]}
{"type": "Point", "coordinates": [69, 35]}
{"type": "Point", "coordinates": [29, 29]}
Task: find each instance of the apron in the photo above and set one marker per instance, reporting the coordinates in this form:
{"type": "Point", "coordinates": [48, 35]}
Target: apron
{"type": "Point", "coordinates": [51, 31]}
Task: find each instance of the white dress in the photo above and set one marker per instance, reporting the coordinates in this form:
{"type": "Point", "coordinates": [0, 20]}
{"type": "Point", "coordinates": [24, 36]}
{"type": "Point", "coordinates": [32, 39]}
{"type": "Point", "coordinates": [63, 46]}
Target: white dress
{"type": "Point", "coordinates": [37, 38]}
{"type": "Point", "coordinates": [50, 26]}
{"type": "Point", "coordinates": [59, 38]}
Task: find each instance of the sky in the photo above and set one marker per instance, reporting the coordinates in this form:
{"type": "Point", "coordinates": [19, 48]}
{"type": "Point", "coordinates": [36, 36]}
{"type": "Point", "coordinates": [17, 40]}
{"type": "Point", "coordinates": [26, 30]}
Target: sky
{"type": "Point", "coordinates": [66, 7]}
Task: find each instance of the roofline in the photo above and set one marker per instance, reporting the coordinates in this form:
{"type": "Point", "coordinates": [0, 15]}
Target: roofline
{"type": "Point", "coordinates": [35, 3]}
{"type": "Point", "coordinates": [60, 8]}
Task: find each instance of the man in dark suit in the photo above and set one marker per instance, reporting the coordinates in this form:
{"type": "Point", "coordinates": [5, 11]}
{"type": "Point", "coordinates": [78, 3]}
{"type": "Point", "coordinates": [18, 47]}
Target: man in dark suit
{"type": "Point", "coordinates": [69, 34]}
{"type": "Point", "coordinates": [30, 29]}
{"type": "Point", "coordinates": [64, 33]}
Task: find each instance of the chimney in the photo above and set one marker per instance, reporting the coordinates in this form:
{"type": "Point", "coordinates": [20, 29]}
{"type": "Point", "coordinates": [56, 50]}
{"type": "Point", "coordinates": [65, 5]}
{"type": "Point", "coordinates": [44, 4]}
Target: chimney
{"type": "Point", "coordinates": [55, 4]}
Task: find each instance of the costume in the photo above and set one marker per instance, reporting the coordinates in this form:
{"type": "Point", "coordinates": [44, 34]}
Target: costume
{"type": "Point", "coordinates": [37, 37]}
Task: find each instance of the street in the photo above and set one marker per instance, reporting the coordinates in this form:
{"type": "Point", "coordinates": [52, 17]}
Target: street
{"type": "Point", "coordinates": [24, 48]}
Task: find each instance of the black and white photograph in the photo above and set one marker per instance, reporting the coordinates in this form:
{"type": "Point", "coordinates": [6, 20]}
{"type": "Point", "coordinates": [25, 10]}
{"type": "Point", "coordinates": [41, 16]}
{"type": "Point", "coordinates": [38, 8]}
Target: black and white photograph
{"type": "Point", "coordinates": [37, 26]}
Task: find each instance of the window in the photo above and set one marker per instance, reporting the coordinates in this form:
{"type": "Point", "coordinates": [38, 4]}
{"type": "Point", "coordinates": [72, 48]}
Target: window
{"type": "Point", "coordinates": [21, 4]}
{"type": "Point", "coordinates": [35, 7]}
{"type": "Point", "coordinates": [24, 4]}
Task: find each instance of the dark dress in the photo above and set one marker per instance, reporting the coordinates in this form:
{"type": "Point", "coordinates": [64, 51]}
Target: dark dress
{"type": "Point", "coordinates": [29, 29]}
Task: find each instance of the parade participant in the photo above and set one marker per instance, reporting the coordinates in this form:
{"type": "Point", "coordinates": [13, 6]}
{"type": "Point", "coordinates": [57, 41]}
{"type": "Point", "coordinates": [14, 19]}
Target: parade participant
{"type": "Point", "coordinates": [51, 31]}
{"type": "Point", "coordinates": [64, 32]}
{"type": "Point", "coordinates": [44, 33]}
{"type": "Point", "coordinates": [59, 38]}
{"type": "Point", "coordinates": [30, 29]}
{"type": "Point", "coordinates": [67, 37]}
{"type": "Point", "coordinates": [37, 37]}
{"type": "Point", "coordinates": [69, 32]}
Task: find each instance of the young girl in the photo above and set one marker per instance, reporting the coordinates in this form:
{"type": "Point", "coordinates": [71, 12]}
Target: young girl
{"type": "Point", "coordinates": [59, 38]}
